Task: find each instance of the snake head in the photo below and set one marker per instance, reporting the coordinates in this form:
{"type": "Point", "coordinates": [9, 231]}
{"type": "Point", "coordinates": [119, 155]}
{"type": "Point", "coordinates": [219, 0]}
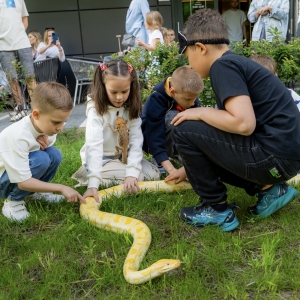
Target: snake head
{"type": "Point", "coordinates": [165, 265]}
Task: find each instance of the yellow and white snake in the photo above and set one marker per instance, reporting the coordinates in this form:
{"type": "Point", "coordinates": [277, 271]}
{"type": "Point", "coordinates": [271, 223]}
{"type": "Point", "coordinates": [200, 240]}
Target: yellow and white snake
{"type": "Point", "coordinates": [139, 231]}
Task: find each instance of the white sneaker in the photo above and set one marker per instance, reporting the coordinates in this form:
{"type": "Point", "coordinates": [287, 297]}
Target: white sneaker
{"type": "Point", "coordinates": [15, 210]}
{"type": "Point", "coordinates": [49, 197]}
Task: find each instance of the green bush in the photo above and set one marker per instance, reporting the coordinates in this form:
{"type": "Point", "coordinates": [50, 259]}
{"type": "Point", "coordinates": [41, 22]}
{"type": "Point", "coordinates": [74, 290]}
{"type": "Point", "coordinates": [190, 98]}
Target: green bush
{"type": "Point", "coordinates": [153, 68]}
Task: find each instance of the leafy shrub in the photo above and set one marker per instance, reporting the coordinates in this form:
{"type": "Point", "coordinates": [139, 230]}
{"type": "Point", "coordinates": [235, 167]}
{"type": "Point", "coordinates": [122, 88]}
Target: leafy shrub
{"type": "Point", "coordinates": [153, 68]}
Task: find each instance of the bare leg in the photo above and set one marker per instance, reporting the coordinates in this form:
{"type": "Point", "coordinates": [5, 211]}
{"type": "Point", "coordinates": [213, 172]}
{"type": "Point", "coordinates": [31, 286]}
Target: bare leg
{"type": "Point", "coordinates": [31, 84]}
{"type": "Point", "coordinates": [16, 92]}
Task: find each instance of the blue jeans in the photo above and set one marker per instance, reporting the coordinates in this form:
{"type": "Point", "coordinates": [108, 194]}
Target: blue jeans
{"type": "Point", "coordinates": [211, 156]}
{"type": "Point", "coordinates": [43, 166]}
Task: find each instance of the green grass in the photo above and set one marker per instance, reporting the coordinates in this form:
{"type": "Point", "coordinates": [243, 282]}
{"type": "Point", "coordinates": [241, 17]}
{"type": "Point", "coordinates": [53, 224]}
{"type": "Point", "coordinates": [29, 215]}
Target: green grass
{"type": "Point", "coordinates": [57, 255]}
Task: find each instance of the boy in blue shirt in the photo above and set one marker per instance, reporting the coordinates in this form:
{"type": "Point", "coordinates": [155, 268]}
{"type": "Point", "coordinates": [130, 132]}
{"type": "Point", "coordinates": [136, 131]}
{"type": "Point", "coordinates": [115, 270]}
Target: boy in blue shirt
{"type": "Point", "coordinates": [171, 96]}
{"type": "Point", "coordinates": [251, 141]}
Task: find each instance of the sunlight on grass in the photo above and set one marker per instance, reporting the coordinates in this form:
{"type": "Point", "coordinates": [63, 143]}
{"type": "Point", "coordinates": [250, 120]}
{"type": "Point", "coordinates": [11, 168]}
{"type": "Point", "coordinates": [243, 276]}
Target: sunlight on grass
{"type": "Point", "coordinates": [57, 255]}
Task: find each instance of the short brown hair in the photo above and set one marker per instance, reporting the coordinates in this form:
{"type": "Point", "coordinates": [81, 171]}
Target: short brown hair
{"type": "Point", "coordinates": [205, 24]}
{"type": "Point", "coordinates": [266, 61]}
{"type": "Point", "coordinates": [185, 79]}
{"type": "Point", "coordinates": [48, 96]}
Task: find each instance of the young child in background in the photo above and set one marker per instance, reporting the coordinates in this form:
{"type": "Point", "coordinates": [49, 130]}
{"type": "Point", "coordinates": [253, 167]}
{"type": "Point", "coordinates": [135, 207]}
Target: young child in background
{"type": "Point", "coordinates": [158, 34]}
{"type": "Point", "coordinates": [114, 92]}
{"type": "Point", "coordinates": [251, 141]}
{"type": "Point", "coordinates": [173, 95]}
{"type": "Point", "coordinates": [269, 63]}
{"type": "Point", "coordinates": [171, 36]}
{"type": "Point", "coordinates": [28, 159]}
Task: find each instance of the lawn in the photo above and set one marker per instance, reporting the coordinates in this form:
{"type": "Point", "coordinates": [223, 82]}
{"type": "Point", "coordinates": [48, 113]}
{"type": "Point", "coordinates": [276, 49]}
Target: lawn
{"type": "Point", "coordinates": [57, 255]}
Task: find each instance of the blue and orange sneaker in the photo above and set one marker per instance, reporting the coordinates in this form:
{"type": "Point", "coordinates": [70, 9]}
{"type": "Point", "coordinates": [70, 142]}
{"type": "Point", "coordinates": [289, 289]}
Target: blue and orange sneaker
{"type": "Point", "coordinates": [271, 200]}
{"type": "Point", "coordinates": [205, 214]}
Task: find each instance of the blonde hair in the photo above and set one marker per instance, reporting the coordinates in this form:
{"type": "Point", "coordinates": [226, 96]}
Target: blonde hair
{"type": "Point", "coordinates": [185, 79]}
{"type": "Point", "coordinates": [46, 35]}
{"type": "Point", "coordinates": [48, 96]}
{"type": "Point", "coordinates": [38, 37]}
{"type": "Point", "coordinates": [266, 61]}
{"type": "Point", "coordinates": [154, 18]}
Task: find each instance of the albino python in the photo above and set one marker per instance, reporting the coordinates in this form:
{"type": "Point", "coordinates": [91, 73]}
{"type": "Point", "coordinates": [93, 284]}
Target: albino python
{"type": "Point", "coordinates": [139, 231]}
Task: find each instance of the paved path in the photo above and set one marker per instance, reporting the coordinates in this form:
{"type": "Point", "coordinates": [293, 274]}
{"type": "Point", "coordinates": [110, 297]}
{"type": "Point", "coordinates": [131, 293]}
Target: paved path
{"type": "Point", "coordinates": [77, 118]}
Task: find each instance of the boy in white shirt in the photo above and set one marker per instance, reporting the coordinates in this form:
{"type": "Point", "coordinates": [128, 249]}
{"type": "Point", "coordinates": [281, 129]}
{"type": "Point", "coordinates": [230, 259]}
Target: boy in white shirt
{"type": "Point", "coordinates": [28, 159]}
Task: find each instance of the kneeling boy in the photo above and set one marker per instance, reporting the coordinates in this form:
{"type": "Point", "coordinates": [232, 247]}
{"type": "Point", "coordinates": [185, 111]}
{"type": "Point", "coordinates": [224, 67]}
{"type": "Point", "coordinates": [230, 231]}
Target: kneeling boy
{"type": "Point", "coordinates": [28, 159]}
{"type": "Point", "coordinates": [251, 141]}
{"type": "Point", "coordinates": [173, 95]}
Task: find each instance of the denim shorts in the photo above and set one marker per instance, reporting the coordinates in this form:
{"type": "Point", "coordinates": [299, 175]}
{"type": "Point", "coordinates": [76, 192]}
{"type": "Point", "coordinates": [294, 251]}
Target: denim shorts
{"type": "Point", "coordinates": [23, 55]}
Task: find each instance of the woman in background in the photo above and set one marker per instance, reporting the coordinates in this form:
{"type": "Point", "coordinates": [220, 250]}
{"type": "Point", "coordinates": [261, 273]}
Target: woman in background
{"type": "Point", "coordinates": [35, 39]}
{"type": "Point", "coordinates": [47, 49]}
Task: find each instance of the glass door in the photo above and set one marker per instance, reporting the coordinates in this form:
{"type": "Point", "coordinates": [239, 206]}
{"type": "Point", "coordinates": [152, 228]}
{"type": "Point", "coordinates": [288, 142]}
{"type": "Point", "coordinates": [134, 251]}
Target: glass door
{"type": "Point", "coordinates": [189, 7]}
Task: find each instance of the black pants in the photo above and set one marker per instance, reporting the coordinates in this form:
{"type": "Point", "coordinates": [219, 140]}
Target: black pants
{"type": "Point", "coordinates": [211, 156]}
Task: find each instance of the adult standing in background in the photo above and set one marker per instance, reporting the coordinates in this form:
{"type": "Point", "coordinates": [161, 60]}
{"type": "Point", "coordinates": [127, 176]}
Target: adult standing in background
{"type": "Point", "coordinates": [266, 14]}
{"type": "Point", "coordinates": [136, 19]}
{"type": "Point", "coordinates": [15, 46]}
{"type": "Point", "coordinates": [235, 22]}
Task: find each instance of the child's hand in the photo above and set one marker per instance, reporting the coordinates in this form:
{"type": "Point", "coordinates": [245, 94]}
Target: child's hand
{"type": "Point", "coordinates": [179, 175]}
{"type": "Point", "coordinates": [91, 192]}
{"type": "Point", "coordinates": [71, 195]}
{"type": "Point", "coordinates": [189, 114]}
{"type": "Point", "coordinates": [43, 141]}
{"type": "Point", "coordinates": [139, 42]}
{"type": "Point", "coordinates": [131, 185]}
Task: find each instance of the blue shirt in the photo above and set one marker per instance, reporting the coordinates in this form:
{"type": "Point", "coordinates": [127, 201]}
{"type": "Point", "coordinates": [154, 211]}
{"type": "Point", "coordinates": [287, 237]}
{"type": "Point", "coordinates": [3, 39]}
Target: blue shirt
{"type": "Point", "coordinates": [279, 17]}
{"type": "Point", "coordinates": [136, 19]}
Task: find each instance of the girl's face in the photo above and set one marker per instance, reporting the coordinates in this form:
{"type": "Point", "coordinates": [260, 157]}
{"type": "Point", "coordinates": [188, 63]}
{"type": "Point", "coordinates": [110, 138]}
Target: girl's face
{"type": "Point", "coordinates": [32, 39]}
{"type": "Point", "coordinates": [171, 36]}
{"type": "Point", "coordinates": [118, 89]}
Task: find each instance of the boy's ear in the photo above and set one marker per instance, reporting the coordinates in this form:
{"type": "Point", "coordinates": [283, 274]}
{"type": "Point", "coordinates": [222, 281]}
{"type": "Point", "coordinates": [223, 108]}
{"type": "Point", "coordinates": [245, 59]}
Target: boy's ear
{"type": "Point", "coordinates": [172, 91]}
{"type": "Point", "coordinates": [201, 47]}
{"type": "Point", "coordinates": [35, 114]}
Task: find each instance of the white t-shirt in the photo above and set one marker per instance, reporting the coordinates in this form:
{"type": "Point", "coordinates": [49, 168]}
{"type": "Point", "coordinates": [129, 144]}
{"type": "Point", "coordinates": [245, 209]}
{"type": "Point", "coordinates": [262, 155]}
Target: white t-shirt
{"type": "Point", "coordinates": [17, 141]}
{"type": "Point", "coordinates": [50, 52]}
{"type": "Point", "coordinates": [234, 20]}
{"type": "Point", "coordinates": [156, 34]}
{"type": "Point", "coordinates": [12, 32]}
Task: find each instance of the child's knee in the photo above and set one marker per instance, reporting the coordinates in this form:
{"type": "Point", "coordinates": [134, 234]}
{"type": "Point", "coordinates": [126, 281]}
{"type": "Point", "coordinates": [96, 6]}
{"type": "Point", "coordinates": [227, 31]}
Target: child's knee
{"type": "Point", "coordinates": [54, 155]}
{"type": "Point", "coordinates": [39, 160]}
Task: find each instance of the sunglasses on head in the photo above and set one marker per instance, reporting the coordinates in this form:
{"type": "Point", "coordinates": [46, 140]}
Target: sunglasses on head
{"type": "Point", "coordinates": [183, 42]}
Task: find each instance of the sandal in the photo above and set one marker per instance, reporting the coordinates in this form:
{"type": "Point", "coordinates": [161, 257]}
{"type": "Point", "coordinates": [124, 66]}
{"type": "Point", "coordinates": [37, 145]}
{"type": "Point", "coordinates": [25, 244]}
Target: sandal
{"type": "Point", "coordinates": [19, 116]}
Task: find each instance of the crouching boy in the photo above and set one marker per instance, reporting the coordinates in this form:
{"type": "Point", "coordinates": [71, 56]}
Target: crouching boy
{"type": "Point", "coordinates": [28, 159]}
{"type": "Point", "coordinates": [251, 141]}
{"type": "Point", "coordinates": [173, 95]}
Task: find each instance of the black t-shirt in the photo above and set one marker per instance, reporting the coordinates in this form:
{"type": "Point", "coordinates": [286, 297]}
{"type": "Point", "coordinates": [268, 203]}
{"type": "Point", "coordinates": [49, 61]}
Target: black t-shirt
{"type": "Point", "coordinates": [277, 116]}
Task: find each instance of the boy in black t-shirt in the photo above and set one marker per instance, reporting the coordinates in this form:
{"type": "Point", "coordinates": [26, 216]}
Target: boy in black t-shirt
{"type": "Point", "coordinates": [251, 141]}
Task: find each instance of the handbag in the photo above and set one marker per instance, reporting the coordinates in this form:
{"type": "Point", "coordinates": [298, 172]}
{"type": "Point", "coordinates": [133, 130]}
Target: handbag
{"type": "Point", "coordinates": [129, 40]}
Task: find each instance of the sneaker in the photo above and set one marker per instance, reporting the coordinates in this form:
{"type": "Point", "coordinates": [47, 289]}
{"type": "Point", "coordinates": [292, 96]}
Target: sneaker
{"type": "Point", "coordinates": [271, 200]}
{"type": "Point", "coordinates": [49, 197]}
{"type": "Point", "coordinates": [15, 210]}
{"type": "Point", "coordinates": [204, 214]}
